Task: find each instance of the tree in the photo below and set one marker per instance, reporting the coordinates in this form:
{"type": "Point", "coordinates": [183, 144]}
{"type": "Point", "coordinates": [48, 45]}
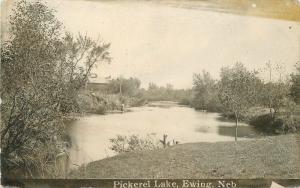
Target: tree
{"type": "Point", "coordinates": [152, 86]}
{"type": "Point", "coordinates": [205, 92]}
{"type": "Point", "coordinates": [273, 92]}
{"type": "Point", "coordinates": [273, 96]}
{"type": "Point", "coordinates": [42, 71]}
{"type": "Point", "coordinates": [295, 88]}
{"type": "Point", "coordinates": [152, 92]}
{"type": "Point", "coordinates": [238, 90]}
{"type": "Point", "coordinates": [128, 87]}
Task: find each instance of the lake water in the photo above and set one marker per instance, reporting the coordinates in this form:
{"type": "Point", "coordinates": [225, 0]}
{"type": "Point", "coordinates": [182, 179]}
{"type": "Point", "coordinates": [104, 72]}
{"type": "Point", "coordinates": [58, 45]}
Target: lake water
{"type": "Point", "coordinates": [90, 134]}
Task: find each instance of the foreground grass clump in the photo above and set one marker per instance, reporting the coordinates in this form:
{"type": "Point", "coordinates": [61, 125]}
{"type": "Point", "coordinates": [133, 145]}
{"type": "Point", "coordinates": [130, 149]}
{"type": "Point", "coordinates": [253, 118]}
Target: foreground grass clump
{"type": "Point", "coordinates": [269, 157]}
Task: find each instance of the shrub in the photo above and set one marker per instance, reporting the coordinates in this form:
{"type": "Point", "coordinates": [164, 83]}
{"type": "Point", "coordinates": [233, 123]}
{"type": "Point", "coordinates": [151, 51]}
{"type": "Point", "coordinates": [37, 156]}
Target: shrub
{"type": "Point", "coordinates": [185, 101]}
{"type": "Point", "coordinates": [290, 124]}
{"type": "Point", "coordinates": [135, 102]}
{"type": "Point", "coordinates": [122, 144]}
{"type": "Point", "coordinates": [269, 124]}
{"type": "Point", "coordinates": [101, 109]}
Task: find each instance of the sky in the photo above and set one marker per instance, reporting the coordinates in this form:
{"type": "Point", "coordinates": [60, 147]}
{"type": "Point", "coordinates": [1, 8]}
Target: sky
{"type": "Point", "coordinates": [164, 44]}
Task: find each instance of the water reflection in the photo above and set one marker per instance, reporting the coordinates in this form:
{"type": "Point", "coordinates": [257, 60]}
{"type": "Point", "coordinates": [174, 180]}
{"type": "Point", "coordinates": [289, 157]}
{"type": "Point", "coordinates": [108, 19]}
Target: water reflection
{"type": "Point", "coordinates": [243, 131]}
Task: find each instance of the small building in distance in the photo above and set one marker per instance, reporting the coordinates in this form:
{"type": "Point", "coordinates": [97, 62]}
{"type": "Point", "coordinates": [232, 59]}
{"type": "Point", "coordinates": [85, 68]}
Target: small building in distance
{"type": "Point", "coordinates": [97, 84]}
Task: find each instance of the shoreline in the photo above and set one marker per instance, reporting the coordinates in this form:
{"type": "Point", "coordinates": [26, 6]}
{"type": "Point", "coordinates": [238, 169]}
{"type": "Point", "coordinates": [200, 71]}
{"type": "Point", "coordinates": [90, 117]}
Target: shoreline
{"type": "Point", "coordinates": [267, 157]}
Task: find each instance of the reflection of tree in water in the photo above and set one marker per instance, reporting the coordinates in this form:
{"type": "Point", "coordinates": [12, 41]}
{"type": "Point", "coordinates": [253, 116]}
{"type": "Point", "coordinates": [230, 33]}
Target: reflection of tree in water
{"type": "Point", "coordinates": [202, 129]}
{"type": "Point", "coordinates": [244, 131]}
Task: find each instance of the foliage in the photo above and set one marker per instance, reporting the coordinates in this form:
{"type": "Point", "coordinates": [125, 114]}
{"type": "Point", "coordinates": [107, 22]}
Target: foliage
{"type": "Point", "coordinates": [273, 95]}
{"type": "Point", "coordinates": [42, 71]}
{"type": "Point", "coordinates": [185, 101]}
{"type": "Point", "coordinates": [244, 96]}
{"type": "Point", "coordinates": [99, 103]}
{"type": "Point", "coordinates": [281, 124]}
{"type": "Point", "coordinates": [128, 87]}
{"type": "Point", "coordinates": [238, 90]}
{"type": "Point", "coordinates": [266, 123]}
{"type": "Point", "coordinates": [122, 144]}
{"type": "Point", "coordinates": [166, 93]}
{"type": "Point", "coordinates": [295, 88]}
{"type": "Point", "coordinates": [137, 101]}
{"type": "Point", "coordinates": [290, 116]}
{"type": "Point", "coordinates": [205, 92]}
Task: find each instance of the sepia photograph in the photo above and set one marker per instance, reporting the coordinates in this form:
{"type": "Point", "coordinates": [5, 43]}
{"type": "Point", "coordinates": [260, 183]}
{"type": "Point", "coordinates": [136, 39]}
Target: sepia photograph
{"type": "Point", "coordinates": [150, 93]}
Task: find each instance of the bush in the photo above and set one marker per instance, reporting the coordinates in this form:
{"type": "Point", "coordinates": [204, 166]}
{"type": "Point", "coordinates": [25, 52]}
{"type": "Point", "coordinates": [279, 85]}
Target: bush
{"type": "Point", "coordinates": [98, 103]}
{"type": "Point", "coordinates": [101, 109]}
{"type": "Point", "coordinates": [185, 101]}
{"type": "Point", "coordinates": [266, 123]}
{"type": "Point", "coordinates": [269, 124]}
{"type": "Point", "coordinates": [135, 102]}
{"type": "Point", "coordinates": [122, 144]}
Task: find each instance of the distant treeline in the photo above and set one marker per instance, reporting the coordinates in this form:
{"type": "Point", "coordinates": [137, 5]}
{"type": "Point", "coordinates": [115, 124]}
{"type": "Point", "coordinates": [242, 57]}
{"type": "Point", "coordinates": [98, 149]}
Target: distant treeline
{"type": "Point", "coordinates": [166, 93]}
{"type": "Point", "coordinates": [131, 87]}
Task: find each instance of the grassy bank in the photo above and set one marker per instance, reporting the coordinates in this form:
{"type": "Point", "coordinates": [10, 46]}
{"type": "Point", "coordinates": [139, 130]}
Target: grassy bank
{"type": "Point", "coordinates": [269, 157]}
{"type": "Point", "coordinates": [284, 121]}
{"type": "Point", "coordinates": [101, 103]}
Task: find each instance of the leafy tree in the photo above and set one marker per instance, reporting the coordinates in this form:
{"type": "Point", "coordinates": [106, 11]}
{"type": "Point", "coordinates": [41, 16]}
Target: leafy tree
{"type": "Point", "coordinates": [153, 92]}
{"type": "Point", "coordinates": [42, 71]}
{"type": "Point", "coordinates": [295, 88]}
{"type": "Point", "coordinates": [169, 91]}
{"type": "Point", "coordinates": [128, 87]}
{"type": "Point", "coordinates": [273, 93]}
{"type": "Point", "coordinates": [273, 96]}
{"type": "Point", "coordinates": [152, 87]}
{"type": "Point", "coordinates": [238, 90]}
{"type": "Point", "coordinates": [205, 92]}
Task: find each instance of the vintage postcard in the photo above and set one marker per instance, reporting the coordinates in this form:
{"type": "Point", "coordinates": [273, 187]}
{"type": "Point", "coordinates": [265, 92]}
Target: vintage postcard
{"type": "Point", "coordinates": [150, 93]}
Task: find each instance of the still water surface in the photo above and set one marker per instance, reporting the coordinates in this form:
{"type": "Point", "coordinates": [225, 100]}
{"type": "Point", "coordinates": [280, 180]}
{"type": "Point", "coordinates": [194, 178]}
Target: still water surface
{"type": "Point", "coordinates": [90, 135]}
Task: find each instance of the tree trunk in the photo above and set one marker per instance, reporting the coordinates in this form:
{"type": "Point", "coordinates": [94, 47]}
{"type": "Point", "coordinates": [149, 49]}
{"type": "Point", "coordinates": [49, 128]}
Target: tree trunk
{"type": "Point", "coordinates": [120, 89]}
{"type": "Point", "coordinates": [271, 113]}
{"type": "Point", "coordinates": [236, 126]}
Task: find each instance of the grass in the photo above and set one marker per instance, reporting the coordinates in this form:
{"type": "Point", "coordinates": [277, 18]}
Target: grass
{"type": "Point", "coordinates": [269, 157]}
